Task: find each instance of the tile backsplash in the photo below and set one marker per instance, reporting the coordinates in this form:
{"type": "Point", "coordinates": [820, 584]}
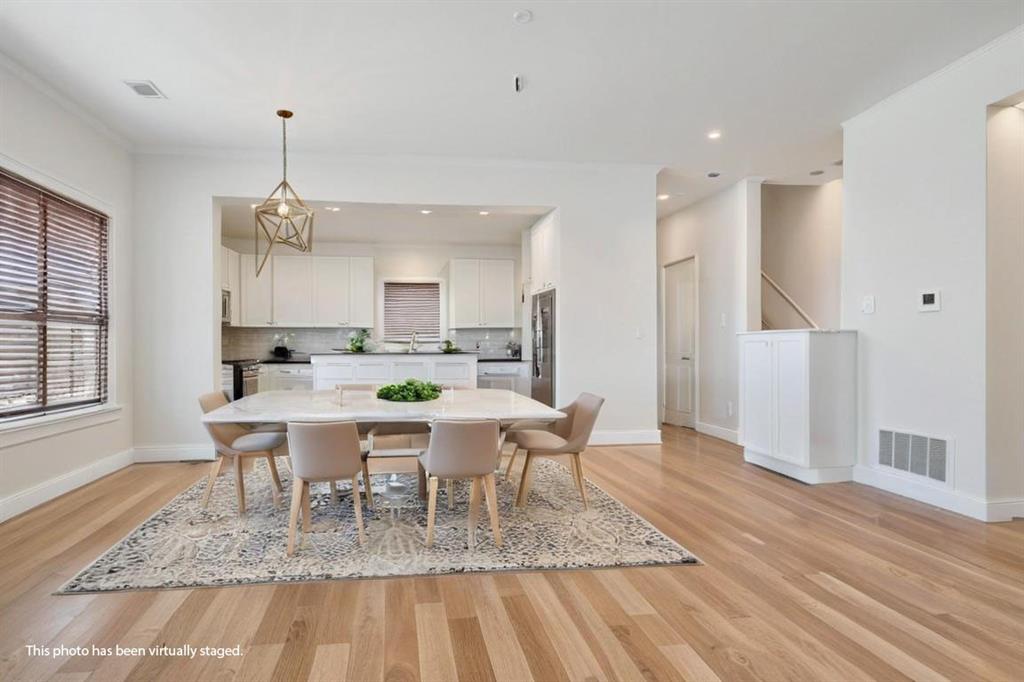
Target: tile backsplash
{"type": "Point", "coordinates": [254, 342]}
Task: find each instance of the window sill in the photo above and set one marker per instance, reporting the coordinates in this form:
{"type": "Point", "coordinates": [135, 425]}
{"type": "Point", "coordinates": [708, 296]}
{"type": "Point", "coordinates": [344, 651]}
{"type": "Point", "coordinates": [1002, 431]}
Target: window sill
{"type": "Point", "coordinates": [47, 425]}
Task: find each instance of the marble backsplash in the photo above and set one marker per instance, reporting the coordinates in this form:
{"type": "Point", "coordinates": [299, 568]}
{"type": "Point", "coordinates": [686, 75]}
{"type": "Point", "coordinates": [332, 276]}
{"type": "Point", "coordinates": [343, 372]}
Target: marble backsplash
{"type": "Point", "coordinates": [253, 342]}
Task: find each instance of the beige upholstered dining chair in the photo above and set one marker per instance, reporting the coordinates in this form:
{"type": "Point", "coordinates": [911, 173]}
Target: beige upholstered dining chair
{"type": "Point", "coordinates": [235, 442]}
{"type": "Point", "coordinates": [464, 449]}
{"type": "Point", "coordinates": [322, 452]}
{"type": "Point", "coordinates": [568, 436]}
{"type": "Point", "coordinates": [364, 429]}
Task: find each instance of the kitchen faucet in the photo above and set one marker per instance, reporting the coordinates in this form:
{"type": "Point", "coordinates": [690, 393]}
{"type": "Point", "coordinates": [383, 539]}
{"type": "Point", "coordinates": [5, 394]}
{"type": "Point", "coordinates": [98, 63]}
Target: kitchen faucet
{"type": "Point", "coordinates": [412, 343]}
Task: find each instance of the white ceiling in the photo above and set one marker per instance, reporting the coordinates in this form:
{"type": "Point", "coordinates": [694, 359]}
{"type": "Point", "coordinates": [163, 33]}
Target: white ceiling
{"type": "Point", "coordinates": [639, 82]}
{"type": "Point", "coordinates": [397, 223]}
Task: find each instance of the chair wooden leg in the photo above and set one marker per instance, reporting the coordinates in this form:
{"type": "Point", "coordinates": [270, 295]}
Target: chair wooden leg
{"type": "Point", "coordinates": [293, 515]}
{"type": "Point", "coordinates": [240, 485]}
{"type": "Point", "coordinates": [214, 473]}
{"type": "Point", "coordinates": [431, 508]}
{"type": "Point", "coordinates": [575, 472]}
{"type": "Point", "coordinates": [334, 493]}
{"type": "Point", "coordinates": [524, 481]}
{"type": "Point", "coordinates": [367, 484]}
{"type": "Point", "coordinates": [491, 493]}
{"type": "Point", "coordinates": [450, 492]}
{"type": "Point", "coordinates": [582, 482]}
{"type": "Point", "coordinates": [307, 509]}
{"type": "Point", "coordinates": [275, 489]}
{"type": "Point", "coordinates": [474, 510]}
{"type": "Point", "coordinates": [511, 461]}
{"type": "Point", "coordinates": [357, 503]}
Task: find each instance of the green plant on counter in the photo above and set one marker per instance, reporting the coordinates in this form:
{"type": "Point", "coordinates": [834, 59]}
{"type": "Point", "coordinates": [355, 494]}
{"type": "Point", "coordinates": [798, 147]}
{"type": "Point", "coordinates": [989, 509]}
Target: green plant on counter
{"type": "Point", "coordinates": [410, 391]}
{"type": "Point", "coordinates": [448, 346]}
{"type": "Point", "coordinates": [357, 341]}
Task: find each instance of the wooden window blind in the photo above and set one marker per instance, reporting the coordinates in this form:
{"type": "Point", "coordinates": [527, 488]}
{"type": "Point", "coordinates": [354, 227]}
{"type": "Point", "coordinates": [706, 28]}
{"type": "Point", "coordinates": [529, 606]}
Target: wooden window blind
{"type": "Point", "coordinates": [53, 301]}
{"type": "Point", "coordinates": [412, 306]}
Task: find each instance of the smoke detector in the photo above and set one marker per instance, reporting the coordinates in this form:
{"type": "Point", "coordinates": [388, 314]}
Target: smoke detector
{"type": "Point", "coordinates": [146, 89]}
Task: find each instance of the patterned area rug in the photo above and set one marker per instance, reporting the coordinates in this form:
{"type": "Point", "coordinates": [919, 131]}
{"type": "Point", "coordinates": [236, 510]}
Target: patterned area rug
{"type": "Point", "coordinates": [183, 545]}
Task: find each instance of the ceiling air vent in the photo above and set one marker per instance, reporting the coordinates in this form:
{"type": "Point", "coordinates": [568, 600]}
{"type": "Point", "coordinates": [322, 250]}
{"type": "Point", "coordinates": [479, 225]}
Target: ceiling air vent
{"type": "Point", "coordinates": [146, 89]}
{"type": "Point", "coordinates": [914, 454]}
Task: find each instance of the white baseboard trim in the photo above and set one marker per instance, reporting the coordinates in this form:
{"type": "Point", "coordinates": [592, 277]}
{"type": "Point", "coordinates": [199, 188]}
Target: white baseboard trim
{"type": "Point", "coordinates": [803, 474]}
{"type": "Point", "coordinates": [946, 498]}
{"type": "Point", "coordinates": [174, 453]}
{"type": "Point", "coordinates": [635, 437]}
{"type": "Point", "coordinates": [718, 432]}
{"type": "Point", "coordinates": [23, 500]}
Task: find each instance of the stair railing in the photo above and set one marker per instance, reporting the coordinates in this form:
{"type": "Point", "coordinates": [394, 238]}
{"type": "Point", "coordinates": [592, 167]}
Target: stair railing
{"type": "Point", "coordinates": [789, 299]}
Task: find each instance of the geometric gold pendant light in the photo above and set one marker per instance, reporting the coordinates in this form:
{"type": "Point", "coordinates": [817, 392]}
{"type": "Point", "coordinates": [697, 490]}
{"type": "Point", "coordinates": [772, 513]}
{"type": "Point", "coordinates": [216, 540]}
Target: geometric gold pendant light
{"type": "Point", "coordinates": [283, 218]}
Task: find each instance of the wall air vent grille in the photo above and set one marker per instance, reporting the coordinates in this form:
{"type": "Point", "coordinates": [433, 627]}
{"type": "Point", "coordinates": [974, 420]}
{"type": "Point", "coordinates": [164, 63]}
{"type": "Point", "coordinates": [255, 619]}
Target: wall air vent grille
{"type": "Point", "coordinates": [914, 454]}
{"type": "Point", "coordinates": [145, 89]}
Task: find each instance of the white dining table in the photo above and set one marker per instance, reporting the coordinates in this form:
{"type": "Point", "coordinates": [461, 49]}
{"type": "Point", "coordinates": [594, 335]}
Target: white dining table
{"type": "Point", "coordinates": [281, 407]}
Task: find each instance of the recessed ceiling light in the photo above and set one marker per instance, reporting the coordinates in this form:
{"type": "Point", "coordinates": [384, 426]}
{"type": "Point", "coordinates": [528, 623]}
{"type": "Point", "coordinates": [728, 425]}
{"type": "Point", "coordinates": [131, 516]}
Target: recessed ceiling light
{"type": "Point", "coordinates": [714, 134]}
{"type": "Point", "coordinates": [333, 209]}
{"type": "Point", "coordinates": [817, 172]}
{"type": "Point", "coordinates": [523, 16]}
{"type": "Point", "coordinates": [485, 213]}
{"type": "Point", "coordinates": [426, 211]}
{"type": "Point", "coordinates": [714, 174]}
{"type": "Point", "coordinates": [662, 197]}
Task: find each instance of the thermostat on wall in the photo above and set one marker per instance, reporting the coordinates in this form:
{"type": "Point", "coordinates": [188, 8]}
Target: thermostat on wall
{"type": "Point", "coordinates": [929, 301]}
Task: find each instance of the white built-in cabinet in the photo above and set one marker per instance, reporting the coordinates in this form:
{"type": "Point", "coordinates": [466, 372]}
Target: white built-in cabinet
{"type": "Point", "coordinates": [304, 291]}
{"type": "Point", "coordinates": [543, 255]}
{"type": "Point", "coordinates": [798, 402]}
{"type": "Point", "coordinates": [481, 293]}
{"type": "Point", "coordinates": [230, 281]}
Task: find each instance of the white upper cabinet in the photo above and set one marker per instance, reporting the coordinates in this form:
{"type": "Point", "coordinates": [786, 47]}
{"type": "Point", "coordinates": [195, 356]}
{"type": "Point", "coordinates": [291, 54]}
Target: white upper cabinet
{"type": "Point", "coordinates": [343, 291]}
{"type": "Point", "coordinates": [543, 254]}
{"type": "Point", "coordinates": [235, 286]}
{"type": "Point", "coordinates": [293, 290]}
{"type": "Point", "coordinates": [225, 252]}
{"type": "Point", "coordinates": [481, 293]}
{"type": "Point", "coordinates": [331, 291]}
{"type": "Point", "coordinates": [256, 293]}
{"type": "Point", "coordinates": [497, 293]}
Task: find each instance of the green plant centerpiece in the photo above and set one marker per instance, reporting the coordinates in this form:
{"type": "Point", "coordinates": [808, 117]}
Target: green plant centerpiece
{"type": "Point", "coordinates": [357, 341]}
{"type": "Point", "coordinates": [410, 391]}
{"type": "Point", "coordinates": [448, 346]}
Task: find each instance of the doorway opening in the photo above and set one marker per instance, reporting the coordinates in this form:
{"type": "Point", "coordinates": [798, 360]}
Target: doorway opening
{"type": "Point", "coordinates": [679, 397]}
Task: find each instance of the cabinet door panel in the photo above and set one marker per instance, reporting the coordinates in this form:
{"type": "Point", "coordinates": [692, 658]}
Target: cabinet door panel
{"type": "Point", "coordinates": [497, 287]}
{"type": "Point", "coordinates": [756, 400]}
{"type": "Point", "coordinates": [256, 305]}
{"type": "Point", "coordinates": [331, 291]}
{"type": "Point", "coordinates": [293, 290]}
{"type": "Point", "coordinates": [402, 370]}
{"type": "Point", "coordinates": [361, 290]}
{"type": "Point", "coordinates": [464, 293]}
{"type": "Point", "coordinates": [791, 399]}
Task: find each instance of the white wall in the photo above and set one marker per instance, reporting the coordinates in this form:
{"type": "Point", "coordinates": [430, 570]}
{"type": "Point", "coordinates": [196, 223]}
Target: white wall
{"type": "Point", "coordinates": [606, 338]}
{"type": "Point", "coordinates": [722, 231]}
{"type": "Point", "coordinates": [44, 139]}
{"type": "Point", "coordinates": [800, 247]}
{"type": "Point", "coordinates": [914, 217]}
{"type": "Point", "coordinates": [1005, 308]}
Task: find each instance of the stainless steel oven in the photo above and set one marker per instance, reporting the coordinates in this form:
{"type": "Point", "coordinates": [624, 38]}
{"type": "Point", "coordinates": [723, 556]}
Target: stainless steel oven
{"type": "Point", "coordinates": [245, 377]}
{"type": "Point", "coordinates": [225, 306]}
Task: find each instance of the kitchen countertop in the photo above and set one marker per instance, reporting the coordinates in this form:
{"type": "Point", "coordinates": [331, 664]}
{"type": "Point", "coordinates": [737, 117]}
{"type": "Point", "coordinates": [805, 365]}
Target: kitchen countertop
{"type": "Point", "coordinates": [282, 361]}
{"type": "Point", "coordinates": [397, 352]}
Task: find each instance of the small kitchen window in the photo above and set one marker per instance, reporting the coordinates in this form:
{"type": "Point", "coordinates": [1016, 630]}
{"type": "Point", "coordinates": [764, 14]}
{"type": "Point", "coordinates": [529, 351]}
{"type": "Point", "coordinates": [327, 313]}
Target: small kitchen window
{"type": "Point", "coordinates": [412, 307]}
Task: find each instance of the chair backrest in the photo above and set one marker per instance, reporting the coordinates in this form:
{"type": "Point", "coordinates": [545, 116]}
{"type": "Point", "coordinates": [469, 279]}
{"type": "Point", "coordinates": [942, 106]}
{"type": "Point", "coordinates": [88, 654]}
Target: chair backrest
{"type": "Point", "coordinates": [462, 448]}
{"type": "Point", "coordinates": [327, 451]}
{"type": "Point", "coordinates": [583, 415]}
{"type": "Point", "coordinates": [223, 435]}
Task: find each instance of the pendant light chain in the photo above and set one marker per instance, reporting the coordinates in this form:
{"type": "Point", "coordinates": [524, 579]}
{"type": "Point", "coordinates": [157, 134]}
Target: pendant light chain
{"type": "Point", "coordinates": [284, 148]}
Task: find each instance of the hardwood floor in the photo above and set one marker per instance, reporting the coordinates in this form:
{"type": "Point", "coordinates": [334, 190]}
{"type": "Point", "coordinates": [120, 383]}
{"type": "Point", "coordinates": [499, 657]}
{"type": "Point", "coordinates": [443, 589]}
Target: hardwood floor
{"type": "Point", "coordinates": [833, 582]}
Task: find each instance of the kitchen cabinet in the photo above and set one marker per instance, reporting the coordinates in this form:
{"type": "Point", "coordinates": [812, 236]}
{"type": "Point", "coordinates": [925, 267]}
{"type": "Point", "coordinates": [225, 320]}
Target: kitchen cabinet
{"type": "Point", "coordinates": [481, 293]}
{"type": "Point", "coordinates": [224, 282]}
{"type": "Point", "coordinates": [235, 286]}
{"type": "Point", "coordinates": [292, 291]}
{"type": "Point", "coordinates": [343, 291]}
{"type": "Point", "coordinates": [288, 377]}
{"type": "Point", "coordinates": [330, 371]}
{"type": "Point", "coordinates": [256, 292]}
{"type": "Point", "coordinates": [543, 255]}
{"type": "Point", "coordinates": [798, 410]}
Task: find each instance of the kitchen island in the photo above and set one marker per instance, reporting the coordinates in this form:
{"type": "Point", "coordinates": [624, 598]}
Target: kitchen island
{"type": "Point", "coordinates": [345, 368]}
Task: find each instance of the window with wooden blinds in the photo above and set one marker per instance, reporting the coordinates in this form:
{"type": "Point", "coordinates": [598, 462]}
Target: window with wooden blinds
{"type": "Point", "coordinates": [412, 307]}
{"type": "Point", "coordinates": [53, 301]}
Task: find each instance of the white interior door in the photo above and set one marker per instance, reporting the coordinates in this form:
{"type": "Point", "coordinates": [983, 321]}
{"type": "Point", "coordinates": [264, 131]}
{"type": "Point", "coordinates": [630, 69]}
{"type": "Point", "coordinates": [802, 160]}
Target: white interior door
{"type": "Point", "coordinates": [680, 318]}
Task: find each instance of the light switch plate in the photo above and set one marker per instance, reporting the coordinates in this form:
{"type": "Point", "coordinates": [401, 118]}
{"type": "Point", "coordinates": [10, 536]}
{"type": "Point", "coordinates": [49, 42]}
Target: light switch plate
{"type": "Point", "coordinates": [867, 305]}
{"type": "Point", "coordinates": [929, 301]}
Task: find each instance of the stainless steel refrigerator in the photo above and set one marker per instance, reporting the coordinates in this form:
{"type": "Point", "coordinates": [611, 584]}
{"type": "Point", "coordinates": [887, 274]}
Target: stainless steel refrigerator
{"type": "Point", "coordinates": [542, 386]}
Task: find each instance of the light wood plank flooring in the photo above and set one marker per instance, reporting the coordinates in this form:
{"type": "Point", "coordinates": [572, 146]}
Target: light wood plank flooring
{"type": "Point", "coordinates": [834, 582]}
